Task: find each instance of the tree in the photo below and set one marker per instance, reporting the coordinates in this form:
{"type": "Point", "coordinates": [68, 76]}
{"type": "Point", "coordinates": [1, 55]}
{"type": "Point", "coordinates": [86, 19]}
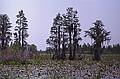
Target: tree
{"type": "Point", "coordinates": [65, 27]}
{"type": "Point", "coordinates": [64, 41]}
{"type": "Point", "coordinates": [58, 23]}
{"type": "Point", "coordinates": [5, 34]}
{"type": "Point", "coordinates": [21, 29]}
{"type": "Point", "coordinates": [52, 42]}
{"type": "Point", "coordinates": [99, 35]}
{"type": "Point", "coordinates": [72, 24]}
{"type": "Point", "coordinates": [55, 39]}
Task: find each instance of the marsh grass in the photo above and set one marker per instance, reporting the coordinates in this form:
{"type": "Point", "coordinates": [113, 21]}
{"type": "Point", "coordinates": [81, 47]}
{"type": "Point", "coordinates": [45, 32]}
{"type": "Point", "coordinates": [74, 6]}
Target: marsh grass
{"type": "Point", "coordinates": [64, 69]}
{"type": "Point", "coordinates": [46, 58]}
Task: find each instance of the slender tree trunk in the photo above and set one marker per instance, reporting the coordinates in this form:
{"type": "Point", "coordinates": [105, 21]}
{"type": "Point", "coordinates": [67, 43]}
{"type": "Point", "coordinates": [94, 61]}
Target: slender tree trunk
{"type": "Point", "coordinates": [56, 52]}
{"type": "Point", "coordinates": [3, 38]}
{"type": "Point", "coordinates": [3, 43]}
{"type": "Point", "coordinates": [70, 46]}
{"type": "Point", "coordinates": [74, 42]}
{"type": "Point", "coordinates": [22, 39]}
{"type": "Point", "coordinates": [63, 47]}
{"type": "Point", "coordinates": [19, 38]}
{"type": "Point", "coordinates": [19, 34]}
{"type": "Point", "coordinates": [74, 50]}
{"type": "Point", "coordinates": [58, 42]}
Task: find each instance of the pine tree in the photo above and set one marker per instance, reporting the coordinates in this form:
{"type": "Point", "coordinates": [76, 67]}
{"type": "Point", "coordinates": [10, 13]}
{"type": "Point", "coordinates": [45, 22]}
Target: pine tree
{"type": "Point", "coordinates": [72, 24]}
{"type": "Point", "coordinates": [5, 34]}
{"type": "Point", "coordinates": [65, 33]}
{"type": "Point", "coordinates": [55, 38]}
{"type": "Point", "coordinates": [21, 29]}
{"type": "Point", "coordinates": [99, 35]}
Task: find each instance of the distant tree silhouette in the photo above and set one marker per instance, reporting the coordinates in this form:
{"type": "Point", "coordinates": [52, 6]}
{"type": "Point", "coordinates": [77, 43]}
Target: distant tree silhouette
{"type": "Point", "coordinates": [21, 29]}
{"type": "Point", "coordinates": [99, 35]}
{"type": "Point", "coordinates": [86, 47]}
{"type": "Point", "coordinates": [73, 28]}
{"type": "Point", "coordinates": [5, 34]}
{"type": "Point", "coordinates": [116, 48]}
{"type": "Point", "coordinates": [33, 48]}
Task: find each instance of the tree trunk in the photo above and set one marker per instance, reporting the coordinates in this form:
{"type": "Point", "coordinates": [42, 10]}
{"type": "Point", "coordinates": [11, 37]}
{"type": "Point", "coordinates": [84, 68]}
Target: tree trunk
{"type": "Point", "coordinates": [3, 38]}
{"type": "Point", "coordinates": [74, 42]}
{"type": "Point", "coordinates": [3, 43]}
{"type": "Point", "coordinates": [70, 46]}
{"type": "Point", "coordinates": [58, 42]}
{"type": "Point", "coordinates": [63, 48]}
{"type": "Point", "coordinates": [97, 51]}
{"type": "Point", "coordinates": [74, 50]}
{"type": "Point", "coordinates": [19, 37]}
{"type": "Point", "coordinates": [22, 39]}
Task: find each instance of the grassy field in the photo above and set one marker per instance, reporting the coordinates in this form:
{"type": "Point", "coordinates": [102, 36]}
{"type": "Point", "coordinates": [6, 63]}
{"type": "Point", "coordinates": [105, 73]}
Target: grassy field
{"type": "Point", "coordinates": [43, 67]}
{"type": "Point", "coordinates": [86, 57]}
{"type": "Point", "coordinates": [40, 58]}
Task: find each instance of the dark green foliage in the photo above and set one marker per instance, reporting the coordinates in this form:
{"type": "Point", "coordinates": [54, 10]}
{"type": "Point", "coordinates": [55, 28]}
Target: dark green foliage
{"type": "Point", "coordinates": [55, 39]}
{"type": "Point", "coordinates": [5, 34]}
{"type": "Point", "coordinates": [72, 24]}
{"type": "Point", "coordinates": [65, 34]}
{"type": "Point", "coordinates": [21, 30]}
{"type": "Point", "coordinates": [99, 35]}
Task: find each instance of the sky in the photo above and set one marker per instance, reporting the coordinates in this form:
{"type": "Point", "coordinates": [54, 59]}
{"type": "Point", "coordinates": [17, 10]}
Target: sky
{"type": "Point", "coordinates": [40, 14]}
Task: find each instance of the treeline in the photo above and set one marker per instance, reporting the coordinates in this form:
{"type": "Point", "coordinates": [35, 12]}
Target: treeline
{"type": "Point", "coordinates": [65, 36]}
{"type": "Point", "coordinates": [16, 48]}
{"type": "Point", "coordinates": [110, 49]}
{"type": "Point", "coordinates": [113, 49]}
{"type": "Point", "coordinates": [87, 49]}
{"type": "Point", "coordinates": [20, 33]}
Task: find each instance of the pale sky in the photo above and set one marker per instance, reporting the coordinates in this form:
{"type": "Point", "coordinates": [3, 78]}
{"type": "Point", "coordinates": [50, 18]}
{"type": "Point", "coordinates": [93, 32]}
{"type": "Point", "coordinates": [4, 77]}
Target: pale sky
{"type": "Point", "coordinates": [40, 14]}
